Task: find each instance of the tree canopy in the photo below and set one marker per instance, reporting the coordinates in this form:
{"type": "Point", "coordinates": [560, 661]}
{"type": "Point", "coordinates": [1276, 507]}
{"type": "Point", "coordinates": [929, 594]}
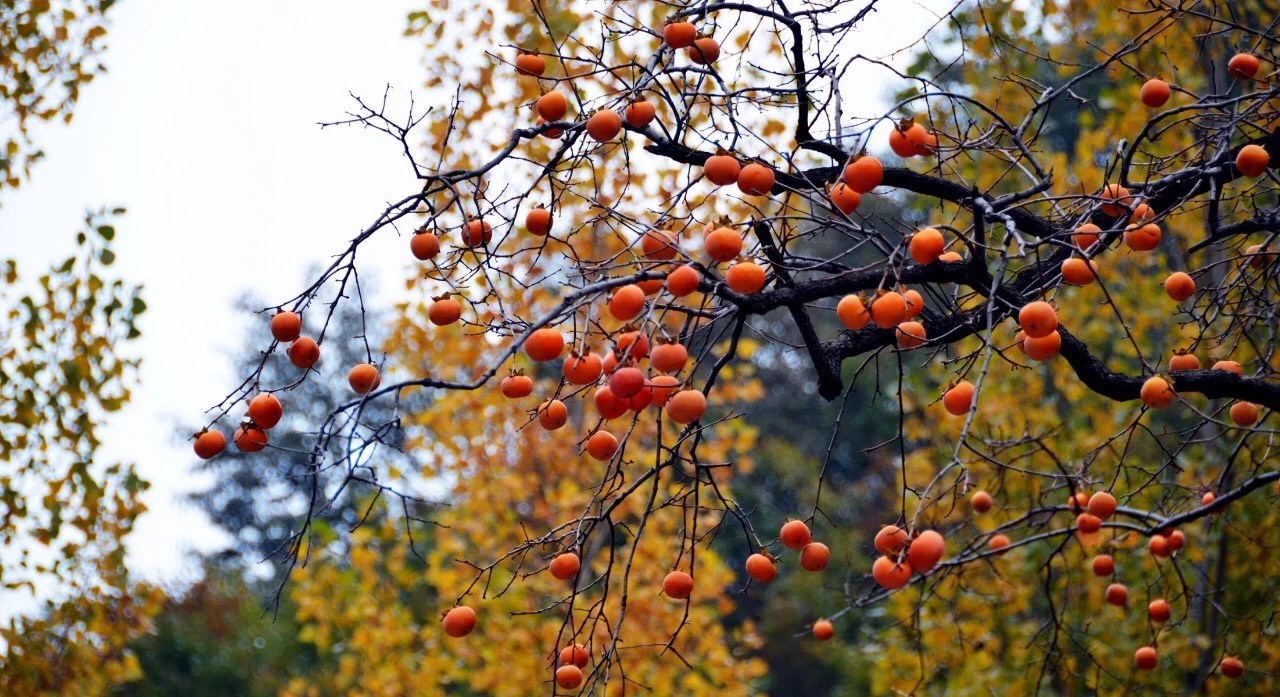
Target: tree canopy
{"type": "Point", "coordinates": [1043, 280]}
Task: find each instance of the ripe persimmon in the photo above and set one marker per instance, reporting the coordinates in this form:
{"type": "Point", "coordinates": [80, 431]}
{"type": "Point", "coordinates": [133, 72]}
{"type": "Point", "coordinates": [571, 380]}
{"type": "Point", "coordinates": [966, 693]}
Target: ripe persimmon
{"type": "Point", "coordinates": [250, 439]}
{"type": "Point", "coordinates": [1078, 502]}
{"type": "Point", "coordinates": [1085, 235]}
{"type": "Point", "coordinates": [651, 286]}
{"type": "Point", "coordinates": [627, 303]}
{"type": "Point", "coordinates": [1158, 545]}
{"type": "Point", "coordinates": [550, 132]}
{"type": "Point", "coordinates": [981, 502]}
{"type": "Point", "coordinates": [575, 655]}
{"type": "Point", "coordinates": [1231, 667]}
{"type": "Point", "coordinates": [604, 125]}
{"type": "Point", "coordinates": [265, 410]}
{"type": "Point", "coordinates": [1142, 213]}
{"type": "Point", "coordinates": [1243, 66]}
{"type": "Point", "coordinates": [1043, 348]}
{"type": "Point", "coordinates": [424, 245]}
{"type": "Point", "coordinates": [722, 169]}
{"type": "Point", "coordinates": [795, 534]}
{"type": "Point", "coordinates": [1079, 272]}
{"type": "Point", "coordinates": [844, 198]}
{"type": "Point", "coordinates": [823, 630]}
{"type": "Point", "coordinates": [582, 369]}
{"type": "Point", "coordinates": [1244, 413]}
{"type": "Point", "coordinates": [814, 556]}
{"type": "Point", "coordinates": [669, 357]}
{"type": "Point", "coordinates": [545, 344]}
{"type": "Point", "coordinates": [1117, 594]}
{"type": "Point", "coordinates": [602, 445]}
{"type": "Point", "coordinates": [660, 389]}
{"type": "Point", "coordinates": [477, 233]}
{"type": "Point", "coordinates": [951, 257]}
{"type": "Point", "coordinates": [1120, 196]}
{"type": "Point", "coordinates": [761, 568]}
{"type": "Point", "coordinates": [998, 542]}
{"type": "Point", "coordinates": [459, 621]}
{"type": "Point", "coordinates": [853, 315]}
{"type": "Point", "coordinates": [1102, 504]}
{"type": "Point", "coordinates": [900, 145]}
{"type": "Point", "coordinates": [565, 566]}
{"type": "Point", "coordinates": [286, 326]}
{"type": "Point", "coordinates": [919, 136]}
{"type": "Point", "coordinates": [683, 281]}
{"type": "Point", "coordinates": [1156, 392]}
{"type": "Point", "coordinates": [1252, 160]}
{"type": "Point", "coordinates": [679, 34]}
{"type": "Point", "coordinates": [569, 677]}
{"type": "Point", "coordinates": [1158, 610]}
{"type": "Point", "coordinates": [722, 244]}
{"type": "Point", "coordinates": [1038, 319]}
{"type": "Point", "coordinates": [1145, 658]}
{"type": "Point", "coordinates": [640, 113]}
{"type": "Point", "coordinates": [633, 344]}
{"type": "Point", "coordinates": [1258, 258]}
{"type": "Point", "coordinates": [363, 378]}
{"type": "Point", "coordinates": [745, 277]}
{"type": "Point", "coordinates": [926, 551]}
{"type": "Point", "coordinates": [1176, 540]}
{"type": "Point", "coordinates": [864, 174]}
{"type": "Point", "coordinates": [642, 399]}
{"type": "Point", "coordinates": [1179, 286]}
{"type": "Point", "coordinates": [531, 64]}
{"type": "Point", "coordinates": [1142, 238]}
{"type": "Point", "coordinates": [1229, 366]}
{"type": "Point", "coordinates": [209, 443]}
{"type": "Point", "coordinates": [304, 352]}
{"type": "Point", "coordinates": [891, 540]}
{"type": "Point", "coordinates": [1103, 565]}
{"type": "Point", "coordinates": [1155, 93]}
{"type": "Point", "coordinates": [608, 404]}
{"type": "Point", "coordinates": [627, 381]}
{"type": "Point", "coordinates": [888, 309]}
{"type": "Point", "coordinates": [1208, 498]}
{"type": "Point", "coordinates": [891, 573]}
{"type": "Point", "coordinates": [552, 106]}
{"type": "Point", "coordinates": [686, 406]}
{"type": "Point", "coordinates": [756, 179]}
{"type": "Point", "coordinates": [552, 414]}
{"type": "Point", "coordinates": [959, 398]}
{"type": "Point", "coordinates": [914, 301]}
{"type": "Point", "coordinates": [677, 585]}
{"type": "Point", "coordinates": [538, 221]}
{"type": "Point", "coordinates": [910, 335]}
{"type": "Point", "coordinates": [659, 245]}
{"type": "Point", "coordinates": [516, 385]}
{"type": "Point", "coordinates": [704, 51]}
{"type": "Point", "coordinates": [926, 246]}
{"type": "Point", "coordinates": [1088, 523]}
{"type": "Point", "coordinates": [444, 311]}
{"type": "Point", "coordinates": [1181, 360]}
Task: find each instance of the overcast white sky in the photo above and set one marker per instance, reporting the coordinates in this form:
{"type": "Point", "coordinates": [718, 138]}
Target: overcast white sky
{"type": "Point", "coordinates": [205, 129]}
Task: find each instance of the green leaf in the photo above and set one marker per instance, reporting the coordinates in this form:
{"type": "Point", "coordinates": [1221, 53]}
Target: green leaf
{"type": "Point", "coordinates": [108, 232]}
{"type": "Point", "coordinates": [139, 306]}
{"type": "Point", "coordinates": [107, 256]}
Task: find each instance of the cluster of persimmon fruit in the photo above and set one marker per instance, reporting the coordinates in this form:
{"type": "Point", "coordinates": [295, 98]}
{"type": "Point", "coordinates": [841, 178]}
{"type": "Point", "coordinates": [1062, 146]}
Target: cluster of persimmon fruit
{"type": "Point", "coordinates": [621, 383]}
{"type": "Point", "coordinates": [1091, 511]}
{"type": "Point", "coordinates": [265, 409]}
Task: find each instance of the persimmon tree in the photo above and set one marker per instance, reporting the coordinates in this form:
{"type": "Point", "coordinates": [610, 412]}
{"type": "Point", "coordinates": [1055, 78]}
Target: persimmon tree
{"type": "Point", "coordinates": [613, 207]}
